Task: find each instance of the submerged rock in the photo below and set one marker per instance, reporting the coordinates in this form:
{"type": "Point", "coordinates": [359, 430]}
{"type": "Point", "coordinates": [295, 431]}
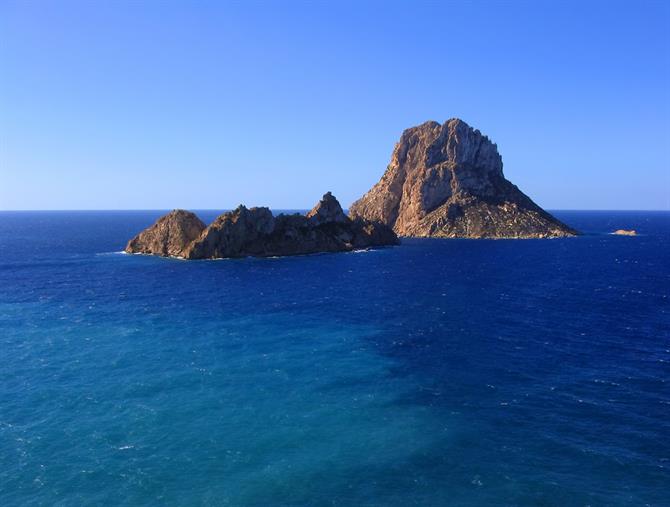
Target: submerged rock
{"type": "Point", "coordinates": [447, 181]}
{"type": "Point", "coordinates": [256, 232]}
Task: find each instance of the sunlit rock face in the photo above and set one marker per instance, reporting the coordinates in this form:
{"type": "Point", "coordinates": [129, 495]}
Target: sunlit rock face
{"type": "Point", "coordinates": [169, 236]}
{"type": "Point", "coordinates": [447, 181]}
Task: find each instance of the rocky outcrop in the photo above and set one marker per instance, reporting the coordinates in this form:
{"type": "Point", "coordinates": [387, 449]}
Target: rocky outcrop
{"type": "Point", "coordinates": [256, 232]}
{"type": "Point", "coordinates": [447, 181]}
{"type": "Point", "coordinates": [328, 209]}
{"type": "Point", "coordinates": [237, 233]}
{"type": "Point", "coordinates": [625, 232]}
{"type": "Point", "coordinates": [169, 235]}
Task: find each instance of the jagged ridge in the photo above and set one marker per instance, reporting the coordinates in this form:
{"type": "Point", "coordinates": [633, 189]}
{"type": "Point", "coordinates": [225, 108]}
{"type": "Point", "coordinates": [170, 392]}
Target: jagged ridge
{"type": "Point", "coordinates": [256, 232]}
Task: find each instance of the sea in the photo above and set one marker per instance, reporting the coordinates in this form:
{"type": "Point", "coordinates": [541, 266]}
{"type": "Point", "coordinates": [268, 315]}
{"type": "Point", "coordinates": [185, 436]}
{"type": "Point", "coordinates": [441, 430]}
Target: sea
{"type": "Point", "coordinates": [434, 373]}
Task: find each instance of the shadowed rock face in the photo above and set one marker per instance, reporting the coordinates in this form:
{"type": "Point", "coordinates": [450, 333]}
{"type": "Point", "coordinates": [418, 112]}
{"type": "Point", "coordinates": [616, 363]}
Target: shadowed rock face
{"type": "Point", "coordinates": [234, 234]}
{"type": "Point", "coordinates": [447, 181]}
{"type": "Point", "coordinates": [256, 232]}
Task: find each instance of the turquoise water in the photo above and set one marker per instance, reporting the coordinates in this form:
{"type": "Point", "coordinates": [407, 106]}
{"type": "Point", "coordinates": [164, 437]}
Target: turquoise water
{"type": "Point", "coordinates": [438, 372]}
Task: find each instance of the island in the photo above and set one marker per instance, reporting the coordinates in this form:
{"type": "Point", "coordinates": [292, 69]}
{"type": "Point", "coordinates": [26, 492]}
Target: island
{"type": "Point", "coordinates": [256, 232]}
{"type": "Point", "coordinates": [444, 181]}
{"type": "Point", "coordinates": [625, 232]}
{"type": "Point", "coordinates": [447, 181]}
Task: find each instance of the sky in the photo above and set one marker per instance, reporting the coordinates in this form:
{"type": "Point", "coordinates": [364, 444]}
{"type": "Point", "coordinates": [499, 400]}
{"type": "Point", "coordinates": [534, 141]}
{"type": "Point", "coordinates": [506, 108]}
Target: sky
{"type": "Point", "coordinates": [206, 105]}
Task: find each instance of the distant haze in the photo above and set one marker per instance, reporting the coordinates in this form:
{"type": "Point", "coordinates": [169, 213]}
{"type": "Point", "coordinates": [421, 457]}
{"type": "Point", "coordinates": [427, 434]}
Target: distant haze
{"type": "Point", "coordinates": [157, 105]}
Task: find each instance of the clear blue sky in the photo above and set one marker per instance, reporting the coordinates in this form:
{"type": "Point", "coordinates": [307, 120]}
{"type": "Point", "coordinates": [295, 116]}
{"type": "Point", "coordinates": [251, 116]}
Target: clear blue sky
{"type": "Point", "coordinates": [139, 104]}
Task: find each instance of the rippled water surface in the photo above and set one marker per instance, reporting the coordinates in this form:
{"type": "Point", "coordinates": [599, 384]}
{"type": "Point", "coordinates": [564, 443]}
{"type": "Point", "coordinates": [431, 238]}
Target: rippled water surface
{"type": "Point", "coordinates": [439, 372]}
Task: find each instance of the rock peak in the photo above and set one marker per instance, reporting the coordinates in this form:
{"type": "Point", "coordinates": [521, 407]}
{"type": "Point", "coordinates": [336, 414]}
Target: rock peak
{"type": "Point", "coordinates": [168, 235]}
{"type": "Point", "coordinates": [327, 210]}
{"type": "Point", "coordinates": [447, 181]}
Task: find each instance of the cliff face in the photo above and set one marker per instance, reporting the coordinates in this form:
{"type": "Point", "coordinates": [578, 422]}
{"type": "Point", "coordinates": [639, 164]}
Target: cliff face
{"type": "Point", "coordinates": [447, 181]}
{"type": "Point", "coordinates": [256, 232]}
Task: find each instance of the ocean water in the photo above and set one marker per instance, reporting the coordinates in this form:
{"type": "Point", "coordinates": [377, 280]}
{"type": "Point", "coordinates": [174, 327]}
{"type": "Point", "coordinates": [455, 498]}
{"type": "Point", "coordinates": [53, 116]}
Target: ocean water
{"type": "Point", "coordinates": [435, 373]}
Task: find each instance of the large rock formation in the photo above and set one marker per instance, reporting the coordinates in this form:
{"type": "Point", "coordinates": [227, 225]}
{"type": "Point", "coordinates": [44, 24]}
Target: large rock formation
{"type": "Point", "coordinates": [447, 181]}
{"type": "Point", "coordinates": [256, 232]}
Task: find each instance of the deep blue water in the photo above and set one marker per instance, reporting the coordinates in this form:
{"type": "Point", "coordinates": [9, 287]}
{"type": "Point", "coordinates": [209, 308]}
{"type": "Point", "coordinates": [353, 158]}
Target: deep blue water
{"type": "Point", "coordinates": [435, 373]}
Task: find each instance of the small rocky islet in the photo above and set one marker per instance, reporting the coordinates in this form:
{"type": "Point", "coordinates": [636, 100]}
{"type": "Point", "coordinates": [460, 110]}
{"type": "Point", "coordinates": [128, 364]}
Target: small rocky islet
{"type": "Point", "coordinates": [443, 181]}
{"type": "Point", "coordinates": [256, 232]}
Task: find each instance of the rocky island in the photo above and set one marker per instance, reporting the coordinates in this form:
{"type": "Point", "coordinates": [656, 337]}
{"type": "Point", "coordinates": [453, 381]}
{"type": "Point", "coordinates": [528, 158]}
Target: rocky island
{"type": "Point", "coordinates": [257, 232]}
{"type": "Point", "coordinates": [443, 181]}
{"type": "Point", "coordinates": [447, 181]}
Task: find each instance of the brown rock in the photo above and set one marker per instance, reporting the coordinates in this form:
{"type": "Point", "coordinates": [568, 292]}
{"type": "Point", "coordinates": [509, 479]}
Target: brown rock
{"type": "Point", "coordinates": [237, 233]}
{"type": "Point", "coordinates": [327, 210]}
{"type": "Point", "coordinates": [447, 181]}
{"type": "Point", "coordinates": [256, 232]}
{"type": "Point", "coordinates": [169, 236]}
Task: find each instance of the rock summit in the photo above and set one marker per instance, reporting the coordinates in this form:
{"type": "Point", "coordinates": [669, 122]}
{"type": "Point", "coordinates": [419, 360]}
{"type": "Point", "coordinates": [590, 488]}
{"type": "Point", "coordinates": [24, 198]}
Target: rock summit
{"type": "Point", "coordinates": [447, 181]}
